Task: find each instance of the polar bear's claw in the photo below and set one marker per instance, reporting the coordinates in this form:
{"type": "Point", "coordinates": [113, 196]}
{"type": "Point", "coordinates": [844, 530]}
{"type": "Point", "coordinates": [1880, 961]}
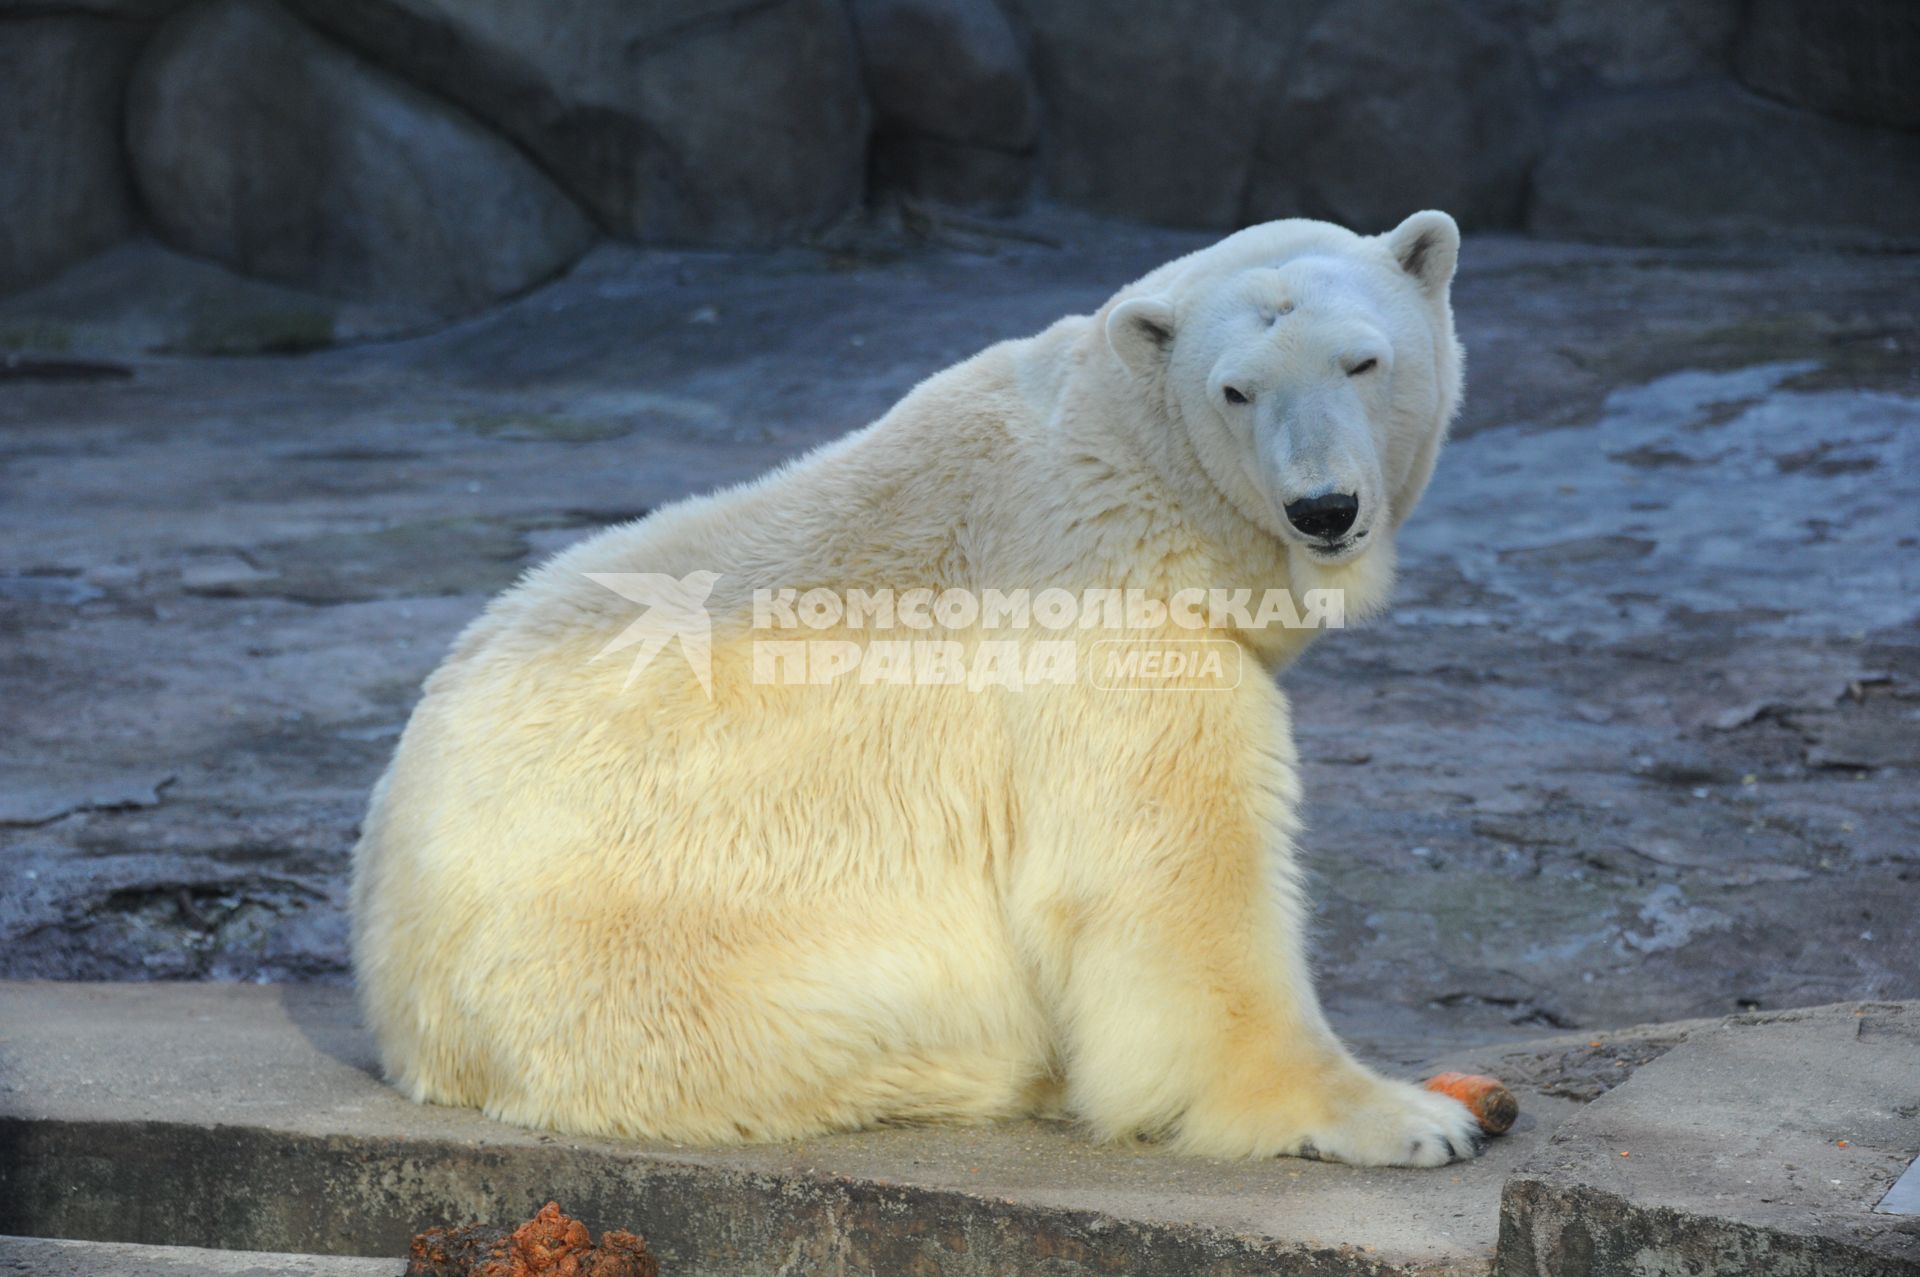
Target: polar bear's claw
{"type": "Point", "coordinates": [1399, 1125]}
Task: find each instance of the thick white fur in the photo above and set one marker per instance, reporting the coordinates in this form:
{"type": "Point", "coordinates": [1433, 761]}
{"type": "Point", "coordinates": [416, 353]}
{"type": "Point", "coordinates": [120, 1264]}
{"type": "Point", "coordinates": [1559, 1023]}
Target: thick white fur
{"type": "Point", "coordinates": [601, 907]}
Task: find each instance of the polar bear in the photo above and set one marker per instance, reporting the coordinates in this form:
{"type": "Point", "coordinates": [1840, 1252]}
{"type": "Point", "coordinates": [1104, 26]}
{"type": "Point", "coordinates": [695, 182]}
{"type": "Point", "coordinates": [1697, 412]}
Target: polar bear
{"type": "Point", "coordinates": [707, 896]}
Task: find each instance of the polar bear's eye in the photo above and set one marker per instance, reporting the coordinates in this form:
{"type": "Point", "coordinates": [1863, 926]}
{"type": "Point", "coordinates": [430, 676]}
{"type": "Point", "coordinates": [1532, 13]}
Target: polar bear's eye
{"type": "Point", "coordinates": [1233, 395]}
{"type": "Point", "coordinates": [1365, 365]}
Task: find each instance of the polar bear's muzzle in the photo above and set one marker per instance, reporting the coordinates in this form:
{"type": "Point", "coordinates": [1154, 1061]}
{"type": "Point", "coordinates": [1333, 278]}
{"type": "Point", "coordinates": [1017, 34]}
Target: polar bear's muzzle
{"type": "Point", "coordinates": [1323, 476]}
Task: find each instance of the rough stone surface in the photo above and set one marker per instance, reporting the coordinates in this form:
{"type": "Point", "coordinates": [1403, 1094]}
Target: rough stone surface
{"type": "Point", "coordinates": [955, 112]}
{"type": "Point", "coordinates": [137, 10]}
{"type": "Point", "coordinates": [1758, 1147]}
{"type": "Point", "coordinates": [1583, 44]}
{"type": "Point", "coordinates": [261, 1105]}
{"type": "Point", "coordinates": [1153, 113]}
{"type": "Point", "coordinates": [747, 123]}
{"type": "Point", "coordinates": [1634, 742]}
{"type": "Point", "coordinates": [140, 297]}
{"type": "Point", "coordinates": [27, 799]}
{"type": "Point", "coordinates": [1710, 163]}
{"type": "Point", "coordinates": [258, 144]}
{"type": "Point", "coordinates": [1397, 105]}
{"type": "Point", "coordinates": [719, 122]}
{"type": "Point", "coordinates": [949, 69]}
{"type": "Point", "coordinates": [63, 186]}
{"type": "Point", "coordinates": [1851, 58]}
{"type": "Point", "coordinates": [43, 1257]}
{"type": "Point", "coordinates": [932, 168]}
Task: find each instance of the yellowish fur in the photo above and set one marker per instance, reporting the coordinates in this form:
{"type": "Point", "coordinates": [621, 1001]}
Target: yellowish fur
{"type": "Point", "coordinates": [631, 908]}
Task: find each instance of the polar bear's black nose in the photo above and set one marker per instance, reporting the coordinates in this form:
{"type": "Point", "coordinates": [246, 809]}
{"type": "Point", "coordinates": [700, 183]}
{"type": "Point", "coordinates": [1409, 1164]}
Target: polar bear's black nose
{"type": "Point", "coordinates": [1325, 517]}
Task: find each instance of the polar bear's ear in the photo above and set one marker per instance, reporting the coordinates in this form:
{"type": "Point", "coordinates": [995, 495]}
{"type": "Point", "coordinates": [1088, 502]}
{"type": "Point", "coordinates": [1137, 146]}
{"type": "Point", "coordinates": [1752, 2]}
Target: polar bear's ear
{"type": "Point", "coordinates": [1141, 333]}
{"type": "Point", "coordinates": [1427, 246]}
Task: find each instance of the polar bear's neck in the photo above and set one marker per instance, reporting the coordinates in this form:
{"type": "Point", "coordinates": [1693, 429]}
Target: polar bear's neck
{"type": "Point", "coordinates": [1018, 469]}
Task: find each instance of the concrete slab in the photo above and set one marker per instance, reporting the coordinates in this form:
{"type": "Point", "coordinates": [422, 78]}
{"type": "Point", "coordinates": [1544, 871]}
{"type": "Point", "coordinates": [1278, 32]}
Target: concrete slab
{"type": "Point", "coordinates": [1761, 1146]}
{"type": "Point", "coordinates": [43, 1257]}
{"type": "Point", "coordinates": [248, 1116]}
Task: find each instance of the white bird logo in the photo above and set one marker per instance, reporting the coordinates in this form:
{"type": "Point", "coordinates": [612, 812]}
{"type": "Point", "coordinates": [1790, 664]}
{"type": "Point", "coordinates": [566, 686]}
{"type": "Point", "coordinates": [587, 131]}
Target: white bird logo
{"type": "Point", "coordinates": [676, 608]}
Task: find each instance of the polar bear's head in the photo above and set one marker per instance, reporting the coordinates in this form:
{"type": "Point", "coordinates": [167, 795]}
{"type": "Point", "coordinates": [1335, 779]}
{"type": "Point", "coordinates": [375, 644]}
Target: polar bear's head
{"type": "Point", "coordinates": [1313, 370]}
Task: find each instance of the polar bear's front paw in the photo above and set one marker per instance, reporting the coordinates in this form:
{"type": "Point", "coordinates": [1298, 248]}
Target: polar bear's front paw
{"type": "Point", "coordinates": [1399, 1125]}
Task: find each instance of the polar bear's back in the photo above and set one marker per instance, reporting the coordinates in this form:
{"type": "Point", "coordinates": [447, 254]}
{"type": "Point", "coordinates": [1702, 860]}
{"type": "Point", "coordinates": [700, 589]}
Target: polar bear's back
{"type": "Point", "coordinates": [597, 903]}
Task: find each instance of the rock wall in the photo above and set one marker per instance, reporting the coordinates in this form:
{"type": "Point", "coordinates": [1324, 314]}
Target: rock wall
{"type": "Point", "coordinates": [452, 152]}
{"type": "Point", "coordinates": [63, 185]}
{"type": "Point", "coordinates": [330, 173]}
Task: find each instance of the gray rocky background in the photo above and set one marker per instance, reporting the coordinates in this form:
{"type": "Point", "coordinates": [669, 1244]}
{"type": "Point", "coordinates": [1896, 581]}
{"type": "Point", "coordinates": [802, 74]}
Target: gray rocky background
{"type": "Point", "coordinates": [447, 155]}
{"type": "Point", "coordinates": [1639, 740]}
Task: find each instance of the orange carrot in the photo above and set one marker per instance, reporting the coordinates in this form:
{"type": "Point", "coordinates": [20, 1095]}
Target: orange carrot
{"type": "Point", "coordinates": [1489, 1101]}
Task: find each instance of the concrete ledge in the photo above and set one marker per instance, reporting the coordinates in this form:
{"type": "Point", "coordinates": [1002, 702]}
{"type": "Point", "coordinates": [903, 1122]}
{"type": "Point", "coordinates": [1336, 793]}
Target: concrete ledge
{"type": "Point", "coordinates": [39, 1257]}
{"type": "Point", "coordinates": [246, 1116]}
{"type": "Point", "coordinates": [1725, 1157]}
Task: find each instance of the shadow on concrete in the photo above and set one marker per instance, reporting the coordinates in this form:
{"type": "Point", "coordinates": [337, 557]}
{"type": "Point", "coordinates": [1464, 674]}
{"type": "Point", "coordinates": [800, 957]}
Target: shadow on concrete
{"type": "Point", "coordinates": [329, 1019]}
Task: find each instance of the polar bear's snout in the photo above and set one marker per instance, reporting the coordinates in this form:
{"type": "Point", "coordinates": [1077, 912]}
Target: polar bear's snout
{"type": "Point", "coordinates": [1324, 518]}
{"type": "Point", "coordinates": [1321, 468]}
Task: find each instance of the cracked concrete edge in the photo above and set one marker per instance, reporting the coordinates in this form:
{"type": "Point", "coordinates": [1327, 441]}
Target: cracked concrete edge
{"type": "Point", "coordinates": [1551, 1229]}
{"type": "Point", "coordinates": [55, 1257]}
{"type": "Point", "coordinates": [1760, 1144]}
{"type": "Point", "coordinates": [193, 1185]}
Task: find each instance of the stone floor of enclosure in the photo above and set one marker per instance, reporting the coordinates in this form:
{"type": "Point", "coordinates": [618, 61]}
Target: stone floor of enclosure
{"type": "Point", "coordinates": [1637, 741]}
